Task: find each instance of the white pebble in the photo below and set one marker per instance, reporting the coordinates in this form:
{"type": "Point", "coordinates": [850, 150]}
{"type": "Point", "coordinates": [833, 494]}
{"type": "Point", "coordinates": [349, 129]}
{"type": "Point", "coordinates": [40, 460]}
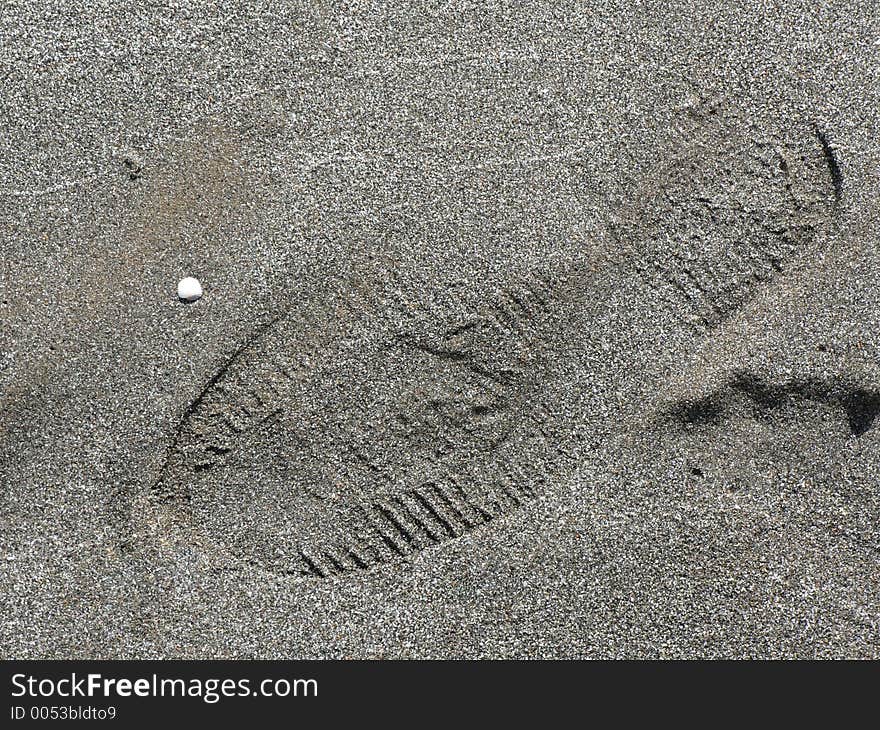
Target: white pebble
{"type": "Point", "coordinates": [189, 289]}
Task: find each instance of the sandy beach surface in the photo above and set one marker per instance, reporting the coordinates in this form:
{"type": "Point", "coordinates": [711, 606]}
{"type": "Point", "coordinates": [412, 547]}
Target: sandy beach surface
{"type": "Point", "coordinates": [527, 330]}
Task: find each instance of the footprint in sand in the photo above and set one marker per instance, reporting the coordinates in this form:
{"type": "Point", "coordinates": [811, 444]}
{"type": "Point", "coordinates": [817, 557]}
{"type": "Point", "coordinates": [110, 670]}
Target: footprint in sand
{"type": "Point", "coordinates": [369, 429]}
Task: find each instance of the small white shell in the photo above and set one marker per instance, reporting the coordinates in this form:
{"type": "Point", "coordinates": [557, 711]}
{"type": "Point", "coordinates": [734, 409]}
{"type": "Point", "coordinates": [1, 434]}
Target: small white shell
{"type": "Point", "coordinates": [189, 289]}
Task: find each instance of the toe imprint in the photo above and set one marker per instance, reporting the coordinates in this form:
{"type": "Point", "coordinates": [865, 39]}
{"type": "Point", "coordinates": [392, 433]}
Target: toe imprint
{"type": "Point", "coordinates": [427, 434]}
